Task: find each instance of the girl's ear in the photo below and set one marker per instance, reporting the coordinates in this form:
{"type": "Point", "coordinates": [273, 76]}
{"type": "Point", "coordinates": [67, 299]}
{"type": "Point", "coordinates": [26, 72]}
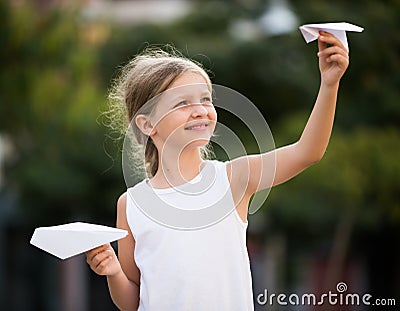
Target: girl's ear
{"type": "Point", "coordinates": [143, 123]}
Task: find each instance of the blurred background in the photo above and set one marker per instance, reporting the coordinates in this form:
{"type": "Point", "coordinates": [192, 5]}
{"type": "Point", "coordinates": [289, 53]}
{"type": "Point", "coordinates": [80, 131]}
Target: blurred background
{"type": "Point", "coordinates": [338, 221]}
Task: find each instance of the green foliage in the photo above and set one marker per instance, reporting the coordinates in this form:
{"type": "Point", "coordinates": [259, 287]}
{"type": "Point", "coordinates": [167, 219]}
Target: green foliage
{"type": "Point", "coordinates": [359, 171]}
{"type": "Point", "coordinates": [370, 87]}
{"type": "Point", "coordinates": [50, 106]}
{"type": "Point", "coordinates": [55, 77]}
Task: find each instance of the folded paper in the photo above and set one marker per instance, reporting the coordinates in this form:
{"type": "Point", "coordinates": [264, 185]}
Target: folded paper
{"type": "Point", "coordinates": [71, 239]}
{"type": "Point", "coordinates": [310, 32]}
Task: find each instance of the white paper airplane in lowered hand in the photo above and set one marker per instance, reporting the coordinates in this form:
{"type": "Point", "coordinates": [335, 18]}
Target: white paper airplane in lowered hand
{"type": "Point", "coordinates": [310, 32]}
{"type": "Point", "coordinates": [71, 239]}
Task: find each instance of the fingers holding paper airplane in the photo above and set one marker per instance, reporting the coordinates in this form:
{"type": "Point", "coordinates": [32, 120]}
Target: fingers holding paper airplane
{"type": "Point", "coordinates": [333, 58]}
{"type": "Point", "coordinates": [103, 260]}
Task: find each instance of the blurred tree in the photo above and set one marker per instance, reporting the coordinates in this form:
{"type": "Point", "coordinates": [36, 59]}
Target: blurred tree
{"type": "Point", "coordinates": [370, 88]}
{"type": "Point", "coordinates": [50, 105]}
{"type": "Point", "coordinates": [352, 193]}
{"type": "Point", "coordinates": [56, 71]}
{"type": "Point", "coordinates": [359, 171]}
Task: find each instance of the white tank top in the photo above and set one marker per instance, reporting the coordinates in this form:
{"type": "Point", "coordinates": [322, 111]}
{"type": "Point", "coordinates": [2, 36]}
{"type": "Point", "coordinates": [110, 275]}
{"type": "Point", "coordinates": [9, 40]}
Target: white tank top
{"type": "Point", "coordinates": [191, 261]}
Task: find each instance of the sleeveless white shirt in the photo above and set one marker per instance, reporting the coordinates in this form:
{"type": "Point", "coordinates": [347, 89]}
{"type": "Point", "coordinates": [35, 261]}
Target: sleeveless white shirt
{"type": "Point", "coordinates": [201, 266]}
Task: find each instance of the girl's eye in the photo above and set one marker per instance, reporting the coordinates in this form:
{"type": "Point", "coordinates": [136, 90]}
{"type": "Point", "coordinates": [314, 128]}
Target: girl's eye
{"type": "Point", "coordinates": [181, 104]}
{"type": "Point", "coordinates": [206, 100]}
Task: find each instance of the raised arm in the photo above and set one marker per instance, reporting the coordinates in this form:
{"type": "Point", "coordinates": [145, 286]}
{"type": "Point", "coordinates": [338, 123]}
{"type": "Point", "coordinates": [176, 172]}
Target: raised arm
{"type": "Point", "coordinates": [122, 272]}
{"type": "Point", "coordinates": [254, 172]}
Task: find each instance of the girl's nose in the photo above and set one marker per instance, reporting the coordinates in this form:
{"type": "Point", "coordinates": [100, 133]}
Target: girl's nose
{"type": "Point", "coordinates": [198, 110]}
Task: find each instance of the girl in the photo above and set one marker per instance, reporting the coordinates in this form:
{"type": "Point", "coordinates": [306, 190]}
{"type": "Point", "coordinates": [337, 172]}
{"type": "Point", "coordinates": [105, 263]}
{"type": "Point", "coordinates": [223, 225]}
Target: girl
{"type": "Point", "coordinates": [161, 267]}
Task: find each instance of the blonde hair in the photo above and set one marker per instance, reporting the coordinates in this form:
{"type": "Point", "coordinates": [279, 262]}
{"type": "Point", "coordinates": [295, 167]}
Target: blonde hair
{"type": "Point", "coordinates": [147, 75]}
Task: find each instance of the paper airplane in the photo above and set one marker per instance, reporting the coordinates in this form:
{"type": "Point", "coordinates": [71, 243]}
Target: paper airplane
{"type": "Point", "coordinates": [71, 239]}
{"type": "Point", "coordinates": [310, 32]}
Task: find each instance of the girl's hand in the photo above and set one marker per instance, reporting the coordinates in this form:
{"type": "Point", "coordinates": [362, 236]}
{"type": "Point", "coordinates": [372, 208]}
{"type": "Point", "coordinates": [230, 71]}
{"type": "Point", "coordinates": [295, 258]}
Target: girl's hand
{"type": "Point", "coordinates": [103, 260]}
{"type": "Point", "coordinates": [333, 58]}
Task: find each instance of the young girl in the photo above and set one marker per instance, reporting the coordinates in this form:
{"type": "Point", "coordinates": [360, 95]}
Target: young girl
{"type": "Point", "coordinates": [206, 267]}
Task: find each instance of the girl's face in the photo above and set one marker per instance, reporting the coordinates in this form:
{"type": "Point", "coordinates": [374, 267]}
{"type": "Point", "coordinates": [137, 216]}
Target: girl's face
{"type": "Point", "coordinates": [184, 115]}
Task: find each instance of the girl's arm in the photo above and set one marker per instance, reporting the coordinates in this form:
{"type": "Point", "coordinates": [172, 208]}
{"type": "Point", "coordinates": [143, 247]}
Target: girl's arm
{"type": "Point", "coordinates": [255, 172]}
{"type": "Point", "coordinates": [122, 275]}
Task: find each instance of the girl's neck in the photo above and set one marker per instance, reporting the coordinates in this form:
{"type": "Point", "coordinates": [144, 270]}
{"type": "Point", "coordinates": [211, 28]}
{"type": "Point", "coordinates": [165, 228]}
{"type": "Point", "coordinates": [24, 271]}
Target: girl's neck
{"type": "Point", "coordinates": [175, 170]}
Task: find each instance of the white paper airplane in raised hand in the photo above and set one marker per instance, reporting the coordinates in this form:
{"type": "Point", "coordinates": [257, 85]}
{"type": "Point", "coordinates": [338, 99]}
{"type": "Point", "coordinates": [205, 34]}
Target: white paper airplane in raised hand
{"type": "Point", "coordinates": [310, 32]}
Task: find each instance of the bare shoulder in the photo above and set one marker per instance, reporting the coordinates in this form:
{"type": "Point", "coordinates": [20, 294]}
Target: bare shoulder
{"type": "Point", "coordinates": [126, 246]}
{"type": "Point", "coordinates": [121, 203]}
{"type": "Point", "coordinates": [238, 182]}
{"type": "Point", "coordinates": [122, 221]}
{"type": "Point", "coordinates": [238, 171]}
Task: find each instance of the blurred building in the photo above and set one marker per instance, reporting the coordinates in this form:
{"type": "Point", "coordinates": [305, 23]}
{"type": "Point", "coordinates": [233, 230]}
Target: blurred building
{"type": "Point", "coordinates": [122, 11]}
{"type": "Point", "coordinates": [137, 11]}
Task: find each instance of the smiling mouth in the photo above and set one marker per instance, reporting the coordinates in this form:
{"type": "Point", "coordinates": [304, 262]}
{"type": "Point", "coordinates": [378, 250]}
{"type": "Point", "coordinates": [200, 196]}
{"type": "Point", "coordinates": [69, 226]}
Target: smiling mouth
{"type": "Point", "coordinates": [197, 127]}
